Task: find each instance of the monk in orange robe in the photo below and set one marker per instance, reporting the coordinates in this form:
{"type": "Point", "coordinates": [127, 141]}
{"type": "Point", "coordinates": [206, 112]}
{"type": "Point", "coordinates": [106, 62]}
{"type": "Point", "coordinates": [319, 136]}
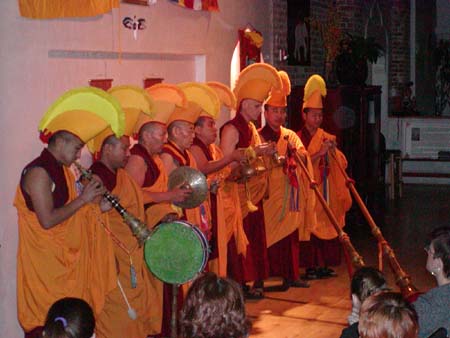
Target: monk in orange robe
{"type": "Point", "coordinates": [136, 286]}
{"type": "Point", "coordinates": [63, 249]}
{"type": "Point", "coordinates": [211, 161]}
{"type": "Point", "coordinates": [324, 245]}
{"type": "Point", "coordinates": [289, 204]}
{"type": "Point", "coordinates": [252, 88]}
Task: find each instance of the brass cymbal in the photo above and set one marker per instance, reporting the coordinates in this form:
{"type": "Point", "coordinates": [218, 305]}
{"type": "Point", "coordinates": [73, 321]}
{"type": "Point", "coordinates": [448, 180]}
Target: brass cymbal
{"type": "Point", "coordinates": [189, 178]}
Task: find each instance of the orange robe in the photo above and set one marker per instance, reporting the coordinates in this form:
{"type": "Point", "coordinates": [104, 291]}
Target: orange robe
{"type": "Point", "coordinates": [193, 215]}
{"type": "Point", "coordinates": [280, 220]}
{"type": "Point", "coordinates": [157, 211]}
{"type": "Point", "coordinates": [72, 259]}
{"type": "Point", "coordinates": [144, 298]}
{"type": "Point", "coordinates": [228, 212]}
{"type": "Point", "coordinates": [338, 195]}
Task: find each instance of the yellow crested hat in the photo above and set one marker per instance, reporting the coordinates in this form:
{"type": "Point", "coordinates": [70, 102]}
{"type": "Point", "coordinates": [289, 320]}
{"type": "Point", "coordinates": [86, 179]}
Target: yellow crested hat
{"type": "Point", "coordinates": [190, 113]}
{"type": "Point", "coordinates": [84, 112]}
{"type": "Point", "coordinates": [204, 96]}
{"type": "Point", "coordinates": [256, 81]}
{"type": "Point", "coordinates": [315, 89]}
{"type": "Point", "coordinates": [226, 96]}
{"type": "Point", "coordinates": [166, 97]}
{"type": "Point", "coordinates": [134, 101]}
{"type": "Point", "coordinates": [278, 97]}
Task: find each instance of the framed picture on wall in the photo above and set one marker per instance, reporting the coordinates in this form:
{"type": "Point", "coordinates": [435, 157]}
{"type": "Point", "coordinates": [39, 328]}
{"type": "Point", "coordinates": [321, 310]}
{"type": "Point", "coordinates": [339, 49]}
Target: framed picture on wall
{"type": "Point", "coordinates": [298, 36]}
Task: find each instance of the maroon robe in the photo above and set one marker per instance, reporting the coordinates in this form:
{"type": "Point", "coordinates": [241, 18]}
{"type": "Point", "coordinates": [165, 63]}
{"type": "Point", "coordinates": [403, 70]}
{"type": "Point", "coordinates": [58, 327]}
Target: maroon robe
{"type": "Point", "coordinates": [255, 265]}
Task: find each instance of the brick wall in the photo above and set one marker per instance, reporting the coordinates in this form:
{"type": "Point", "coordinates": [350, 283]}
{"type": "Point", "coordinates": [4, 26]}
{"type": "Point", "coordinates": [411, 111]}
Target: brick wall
{"type": "Point", "coordinates": [353, 15]}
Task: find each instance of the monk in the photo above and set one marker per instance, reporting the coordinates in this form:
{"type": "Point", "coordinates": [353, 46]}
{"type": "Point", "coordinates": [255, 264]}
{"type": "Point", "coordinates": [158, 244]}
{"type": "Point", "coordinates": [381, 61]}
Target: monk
{"type": "Point", "coordinates": [252, 88]}
{"type": "Point", "coordinates": [134, 307]}
{"type": "Point", "coordinates": [324, 246]}
{"type": "Point", "coordinates": [63, 249]}
{"type": "Point", "coordinates": [289, 206]}
{"type": "Point", "coordinates": [210, 160]}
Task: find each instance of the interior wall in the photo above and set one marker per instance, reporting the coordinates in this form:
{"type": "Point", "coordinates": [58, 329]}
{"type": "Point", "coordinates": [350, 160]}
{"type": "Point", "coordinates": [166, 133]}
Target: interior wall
{"type": "Point", "coordinates": [40, 59]}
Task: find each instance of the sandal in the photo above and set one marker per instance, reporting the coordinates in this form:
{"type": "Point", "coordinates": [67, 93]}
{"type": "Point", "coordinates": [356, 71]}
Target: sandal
{"type": "Point", "coordinates": [254, 293]}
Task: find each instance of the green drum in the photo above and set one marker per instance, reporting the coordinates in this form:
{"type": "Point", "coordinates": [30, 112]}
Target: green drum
{"type": "Point", "coordinates": [176, 252]}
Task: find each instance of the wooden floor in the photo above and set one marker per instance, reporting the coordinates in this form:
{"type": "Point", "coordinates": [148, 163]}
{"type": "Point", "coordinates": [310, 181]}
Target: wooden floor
{"type": "Point", "coordinates": [321, 311]}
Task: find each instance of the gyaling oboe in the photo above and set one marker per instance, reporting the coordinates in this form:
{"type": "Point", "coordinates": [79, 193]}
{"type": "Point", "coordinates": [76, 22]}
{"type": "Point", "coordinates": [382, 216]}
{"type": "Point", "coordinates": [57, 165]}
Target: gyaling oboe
{"type": "Point", "coordinates": [138, 228]}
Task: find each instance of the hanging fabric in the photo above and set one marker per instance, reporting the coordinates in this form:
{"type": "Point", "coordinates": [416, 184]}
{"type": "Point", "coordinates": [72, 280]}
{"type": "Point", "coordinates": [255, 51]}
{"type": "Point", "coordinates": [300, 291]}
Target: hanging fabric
{"type": "Point", "coordinates": [50, 9]}
{"type": "Point", "coordinates": [199, 5]}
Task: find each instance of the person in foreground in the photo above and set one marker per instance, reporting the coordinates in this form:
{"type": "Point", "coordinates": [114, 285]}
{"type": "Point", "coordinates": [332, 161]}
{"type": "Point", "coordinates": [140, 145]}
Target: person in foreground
{"type": "Point", "coordinates": [69, 318]}
{"type": "Point", "coordinates": [214, 308]}
{"type": "Point", "coordinates": [366, 281]}
{"type": "Point", "coordinates": [433, 307]}
{"type": "Point", "coordinates": [387, 315]}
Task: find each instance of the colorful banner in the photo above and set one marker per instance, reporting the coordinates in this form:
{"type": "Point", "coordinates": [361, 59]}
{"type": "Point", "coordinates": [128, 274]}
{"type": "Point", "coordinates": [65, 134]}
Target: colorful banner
{"type": "Point", "coordinates": [199, 5]}
{"type": "Point", "coordinates": [50, 9]}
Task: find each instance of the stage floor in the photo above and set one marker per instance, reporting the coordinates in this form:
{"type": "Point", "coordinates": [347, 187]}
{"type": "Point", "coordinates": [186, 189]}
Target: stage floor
{"type": "Point", "coordinates": [321, 311]}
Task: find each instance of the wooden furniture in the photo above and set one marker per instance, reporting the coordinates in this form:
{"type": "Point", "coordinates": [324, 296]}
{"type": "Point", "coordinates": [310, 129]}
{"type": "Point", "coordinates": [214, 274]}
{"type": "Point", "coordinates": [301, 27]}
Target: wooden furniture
{"type": "Point", "coordinates": [352, 113]}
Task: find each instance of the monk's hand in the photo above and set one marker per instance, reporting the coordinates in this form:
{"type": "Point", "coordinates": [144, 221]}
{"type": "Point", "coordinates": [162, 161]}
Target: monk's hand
{"type": "Point", "coordinates": [92, 190]}
{"type": "Point", "coordinates": [180, 194]}
{"type": "Point", "coordinates": [239, 155]}
{"type": "Point", "coordinates": [106, 205]}
{"type": "Point", "coordinates": [265, 149]}
{"type": "Point", "coordinates": [326, 145]}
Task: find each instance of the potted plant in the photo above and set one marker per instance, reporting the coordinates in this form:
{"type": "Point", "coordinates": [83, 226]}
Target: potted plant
{"type": "Point", "coordinates": [354, 54]}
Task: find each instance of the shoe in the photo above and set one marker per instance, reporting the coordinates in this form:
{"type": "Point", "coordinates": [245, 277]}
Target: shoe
{"type": "Point", "coordinates": [310, 274]}
{"type": "Point", "coordinates": [297, 284]}
{"type": "Point", "coordinates": [326, 273]}
{"type": "Point", "coordinates": [254, 293]}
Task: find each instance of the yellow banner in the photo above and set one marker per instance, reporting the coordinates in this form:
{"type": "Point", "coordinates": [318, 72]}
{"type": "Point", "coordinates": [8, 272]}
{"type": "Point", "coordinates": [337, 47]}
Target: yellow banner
{"type": "Point", "coordinates": [50, 9]}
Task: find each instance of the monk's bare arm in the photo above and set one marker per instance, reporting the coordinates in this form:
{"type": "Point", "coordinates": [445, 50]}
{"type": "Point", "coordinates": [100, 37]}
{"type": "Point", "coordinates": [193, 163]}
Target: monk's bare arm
{"type": "Point", "coordinates": [38, 185]}
{"type": "Point", "coordinates": [136, 167]}
{"type": "Point", "coordinates": [228, 141]}
{"type": "Point", "coordinates": [208, 167]}
{"type": "Point", "coordinates": [167, 160]}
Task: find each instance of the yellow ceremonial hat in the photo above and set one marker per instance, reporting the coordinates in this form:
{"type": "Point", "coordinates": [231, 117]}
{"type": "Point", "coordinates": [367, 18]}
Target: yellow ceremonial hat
{"type": "Point", "coordinates": [134, 101]}
{"type": "Point", "coordinates": [255, 82]}
{"type": "Point", "coordinates": [226, 96]}
{"type": "Point", "coordinates": [84, 112]}
{"type": "Point", "coordinates": [166, 97]}
{"type": "Point", "coordinates": [190, 113]}
{"type": "Point", "coordinates": [204, 96]}
{"type": "Point", "coordinates": [278, 97]}
{"type": "Point", "coordinates": [315, 89]}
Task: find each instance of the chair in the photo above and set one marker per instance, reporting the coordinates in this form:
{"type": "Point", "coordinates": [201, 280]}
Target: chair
{"type": "Point", "coordinates": [439, 333]}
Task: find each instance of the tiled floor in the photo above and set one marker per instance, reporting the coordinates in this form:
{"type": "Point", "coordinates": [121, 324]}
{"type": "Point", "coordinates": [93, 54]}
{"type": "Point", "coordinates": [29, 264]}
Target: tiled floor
{"type": "Point", "coordinates": [321, 311]}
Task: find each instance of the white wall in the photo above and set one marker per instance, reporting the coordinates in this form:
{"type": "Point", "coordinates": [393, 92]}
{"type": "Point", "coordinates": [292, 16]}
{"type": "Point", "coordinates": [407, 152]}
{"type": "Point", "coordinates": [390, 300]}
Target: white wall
{"type": "Point", "coordinates": [197, 44]}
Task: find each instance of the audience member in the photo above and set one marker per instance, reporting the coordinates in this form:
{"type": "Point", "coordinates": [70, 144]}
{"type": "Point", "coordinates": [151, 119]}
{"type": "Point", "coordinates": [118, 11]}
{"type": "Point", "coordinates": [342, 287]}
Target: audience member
{"type": "Point", "coordinates": [214, 308]}
{"type": "Point", "coordinates": [365, 282]}
{"type": "Point", "coordinates": [387, 315]}
{"type": "Point", "coordinates": [433, 307]}
{"type": "Point", "coordinates": [69, 318]}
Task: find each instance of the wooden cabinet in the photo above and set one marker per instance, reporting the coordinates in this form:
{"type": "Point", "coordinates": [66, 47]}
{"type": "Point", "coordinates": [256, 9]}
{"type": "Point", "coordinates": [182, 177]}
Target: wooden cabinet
{"type": "Point", "coordinates": [352, 113]}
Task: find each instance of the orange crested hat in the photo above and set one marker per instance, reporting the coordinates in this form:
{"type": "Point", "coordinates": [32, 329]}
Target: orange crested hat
{"type": "Point", "coordinates": [226, 96]}
{"type": "Point", "coordinates": [84, 112]}
{"type": "Point", "coordinates": [256, 81]}
{"type": "Point", "coordinates": [190, 113]}
{"type": "Point", "coordinates": [278, 97]}
{"type": "Point", "coordinates": [204, 96]}
{"type": "Point", "coordinates": [134, 101]}
{"type": "Point", "coordinates": [315, 90]}
{"type": "Point", "coordinates": [166, 97]}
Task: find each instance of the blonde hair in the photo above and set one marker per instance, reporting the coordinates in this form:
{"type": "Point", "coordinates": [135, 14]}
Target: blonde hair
{"type": "Point", "coordinates": [387, 315]}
